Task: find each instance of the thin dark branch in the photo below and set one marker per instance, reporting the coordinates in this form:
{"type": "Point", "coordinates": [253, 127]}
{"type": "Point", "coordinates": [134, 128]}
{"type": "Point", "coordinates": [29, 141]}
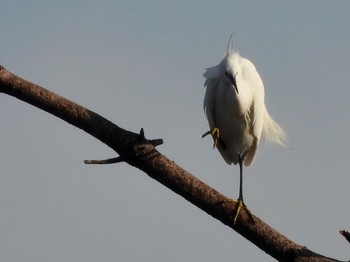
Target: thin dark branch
{"type": "Point", "coordinates": [345, 234]}
{"type": "Point", "coordinates": [105, 161]}
{"type": "Point", "coordinates": [137, 151]}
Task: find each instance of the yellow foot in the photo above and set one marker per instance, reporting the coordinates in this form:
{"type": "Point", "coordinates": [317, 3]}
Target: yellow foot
{"type": "Point", "coordinates": [215, 133]}
{"type": "Point", "coordinates": [239, 205]}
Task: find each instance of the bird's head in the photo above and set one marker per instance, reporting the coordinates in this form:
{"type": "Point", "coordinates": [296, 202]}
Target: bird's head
{"type": "Point", "coordinates": [230, 69]}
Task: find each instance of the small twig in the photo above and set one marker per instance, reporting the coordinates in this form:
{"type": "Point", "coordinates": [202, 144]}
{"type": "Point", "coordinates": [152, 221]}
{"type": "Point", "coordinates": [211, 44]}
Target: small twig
{"type": "Point", "coordinates": [156, 142]}
{"type": "Point", "coordinates": [106, 161]}
{"type": "Point", "coordinates": [346, 234]}
{"type": "Point", "coordinates": [142, 135]}
{"type": "Point", "coordinates": [141, 138]}
{"type": "Point", "coordinates": [153, 142]}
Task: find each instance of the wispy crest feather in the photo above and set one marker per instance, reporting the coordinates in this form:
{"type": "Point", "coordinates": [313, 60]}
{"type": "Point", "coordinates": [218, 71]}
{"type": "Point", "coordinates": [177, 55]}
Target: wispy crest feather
{"type": "Point", "coordinates": [230, 47]}
{"type": "Point", "coordinates": [214, 71]}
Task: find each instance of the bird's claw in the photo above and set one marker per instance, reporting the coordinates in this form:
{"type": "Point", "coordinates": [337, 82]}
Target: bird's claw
{"type": "Point", "coordinates": [239, 205]}
{"type": "Point", "coordinates": [215, 133]}
{"type": "Point", "coordinates": [206, 133]}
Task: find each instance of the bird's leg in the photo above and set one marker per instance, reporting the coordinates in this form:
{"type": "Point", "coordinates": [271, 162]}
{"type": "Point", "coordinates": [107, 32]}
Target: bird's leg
{"type": "Point", "coordinates": [239, 202]}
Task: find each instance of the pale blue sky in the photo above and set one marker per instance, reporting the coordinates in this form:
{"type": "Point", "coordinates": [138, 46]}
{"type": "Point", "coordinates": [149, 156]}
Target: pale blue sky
{"type": "Point", "coordinates": [140, 64]}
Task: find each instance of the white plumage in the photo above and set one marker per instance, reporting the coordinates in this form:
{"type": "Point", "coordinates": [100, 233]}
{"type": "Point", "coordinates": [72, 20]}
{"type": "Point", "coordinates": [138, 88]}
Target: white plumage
{"type": "Point", "coordinates": [241, 116]}
{"type": "Point", "coordinates": [234, 106]}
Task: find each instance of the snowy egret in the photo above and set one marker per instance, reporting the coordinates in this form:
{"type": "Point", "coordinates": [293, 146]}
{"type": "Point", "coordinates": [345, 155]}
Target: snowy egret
{"type": "Point", "coordinates": [236, 112]}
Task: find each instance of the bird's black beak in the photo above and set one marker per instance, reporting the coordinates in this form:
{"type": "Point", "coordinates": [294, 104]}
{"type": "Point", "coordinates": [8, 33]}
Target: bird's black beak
{"type": "Point", "coordinates": [235, 85]}
{"type": "Point", "coordinates": [233, 81]}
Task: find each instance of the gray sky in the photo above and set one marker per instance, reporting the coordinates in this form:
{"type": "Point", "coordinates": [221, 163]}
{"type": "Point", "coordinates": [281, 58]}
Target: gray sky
{"type": "Point", "coordinates": [140, 64]}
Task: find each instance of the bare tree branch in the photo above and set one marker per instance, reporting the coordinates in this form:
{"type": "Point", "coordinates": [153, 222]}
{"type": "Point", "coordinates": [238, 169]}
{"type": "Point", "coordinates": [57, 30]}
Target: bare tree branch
{"type": "Point", "coordinates": [140, 152]}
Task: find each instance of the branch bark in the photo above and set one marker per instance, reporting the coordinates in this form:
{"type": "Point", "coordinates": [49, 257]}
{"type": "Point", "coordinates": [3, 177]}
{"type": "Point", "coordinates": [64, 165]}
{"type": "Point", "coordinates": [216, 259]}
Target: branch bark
{"type": "Point", "coordinates": [140, 152]}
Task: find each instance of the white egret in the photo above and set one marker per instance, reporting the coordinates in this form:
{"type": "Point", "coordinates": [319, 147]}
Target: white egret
{"type": "Point", "coordinates": [236, 112]}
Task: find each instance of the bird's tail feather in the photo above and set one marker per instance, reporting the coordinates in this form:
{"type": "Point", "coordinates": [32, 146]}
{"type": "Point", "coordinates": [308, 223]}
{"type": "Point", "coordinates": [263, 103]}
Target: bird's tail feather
{"type": "Point", "coordinates": [272, 132]}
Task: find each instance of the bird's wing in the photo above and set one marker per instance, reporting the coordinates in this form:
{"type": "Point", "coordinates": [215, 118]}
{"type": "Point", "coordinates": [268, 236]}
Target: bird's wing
{"type": "Point", "coordinates": [256, 109]}
{"type": "Point", "coordinates": [209, 101]}
{"type": "Point", "coordinates": [256, 117]}
{"type": "Point", "coordinates": [211, 82]}
{"type": "Point", "coordinates": [264, 125]}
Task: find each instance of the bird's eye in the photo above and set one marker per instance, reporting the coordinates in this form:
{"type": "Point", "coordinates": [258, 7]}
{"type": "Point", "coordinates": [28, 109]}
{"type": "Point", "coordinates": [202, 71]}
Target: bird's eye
{"type": "Point", "coordinates": [229, 75]}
